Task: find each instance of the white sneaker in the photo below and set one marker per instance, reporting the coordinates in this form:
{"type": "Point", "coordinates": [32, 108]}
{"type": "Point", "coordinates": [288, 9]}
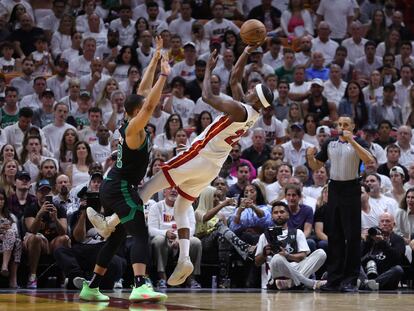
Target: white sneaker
{"type": "Point", "coordinates": [99, 222]}
{"type": "Point", "coordinates": [119, 284]}
{"type": "Point", "coordinates": [181, 272]}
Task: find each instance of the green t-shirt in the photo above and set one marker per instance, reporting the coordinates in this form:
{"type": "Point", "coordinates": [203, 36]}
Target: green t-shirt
{"type": "Point", "coordinates": [7, 119]}
{"type": "Point", "coordinates": [283, 74]}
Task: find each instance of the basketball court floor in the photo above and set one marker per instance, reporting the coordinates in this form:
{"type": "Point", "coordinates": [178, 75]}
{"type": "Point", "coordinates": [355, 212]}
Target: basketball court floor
{"type": "Point", "coordinates": [207, 299]}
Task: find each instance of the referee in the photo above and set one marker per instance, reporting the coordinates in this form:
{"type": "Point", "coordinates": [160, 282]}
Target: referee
{"type": "Point", "coordinates": [343, 216]}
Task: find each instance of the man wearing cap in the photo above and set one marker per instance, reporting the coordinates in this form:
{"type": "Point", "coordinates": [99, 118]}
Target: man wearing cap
{"type": "Point", "coordinates": [368, 134]}
{"type": "Point", "coordinates": [323, 133]}
{"type": "Point", "coordinates": [397, 177]}
{"type": "Point", "coordinates": [59, 83]}
{"type": "Point", "coordinates": [388, 109]}
{"type": "Point", "coordinates": [257, 69]}
{"type": "Point", "coordinates": [185, 68]}
{"type": "Point", "coordinates": [295, 148]}
{"type": "Point", "coordinates": [34, 100]}
{"type": "Point", "coordinates": [81, 113]}
{"type": "Point", "coordinates": [43, 115]}
{"type": "Point", "coordinates": [325, 111]}
{"type": "Point", "coordinates": [21, 199]}
{"type": "Point", "coordinates": [46, 227]}
{"type": "Point", "coordinates": [344, 214]}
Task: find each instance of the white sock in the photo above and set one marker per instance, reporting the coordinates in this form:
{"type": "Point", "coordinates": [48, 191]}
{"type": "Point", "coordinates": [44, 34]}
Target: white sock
{"type": "Point", "coordinates": [113, 220]}
{"type": "Point", "coordinates": [184, 248]}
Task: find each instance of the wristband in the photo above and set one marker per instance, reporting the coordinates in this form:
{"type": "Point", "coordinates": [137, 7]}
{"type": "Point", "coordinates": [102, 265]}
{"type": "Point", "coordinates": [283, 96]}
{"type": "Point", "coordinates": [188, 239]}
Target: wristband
{"type": "Point", "coordinates": [163, 74]}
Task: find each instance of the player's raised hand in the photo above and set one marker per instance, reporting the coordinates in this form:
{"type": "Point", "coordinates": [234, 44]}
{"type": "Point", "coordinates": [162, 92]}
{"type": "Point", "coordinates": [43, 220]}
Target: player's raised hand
{"type": "Point", "coordinates": [158, 47]}
{"type": "Point", "coordinates": [165, 66]}
{"type": "Point", "coordinates": [212, 60]}
{"type": "Point", "coordinates": [250, 48]}
{"type": "Point", "coordinates": [311, 151]}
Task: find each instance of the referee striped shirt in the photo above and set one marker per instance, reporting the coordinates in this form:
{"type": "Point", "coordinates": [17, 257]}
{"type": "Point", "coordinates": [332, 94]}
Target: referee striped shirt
{"type": "Point", "coordinates": [344, 160]}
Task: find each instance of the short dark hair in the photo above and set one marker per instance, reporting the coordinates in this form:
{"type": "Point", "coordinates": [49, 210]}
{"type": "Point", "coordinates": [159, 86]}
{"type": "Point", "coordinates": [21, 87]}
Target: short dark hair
{"type": "Point", "coordinates": [124, 7]}
{"type": "Point", "coordinates": [152, 4]}
{"type": "Point", "coordinates": [280, 203]}
{"type": "Point", "coordinates": [294, 187]}
{"type": "Point", "coordinates": [376, 176]}
{"type": "Point", "coordinates": [389, 87]}
{"type": "Point", "coordinates": [179, 80]}
{"type": "Point", "coordinates": [10, 89]}
{"type": "Point", "coordinates": [393, 146]}
{"type": "Point", "coordinates": [95, 109]}
{"type": "Point", "coordinates": [26, 112]}
{"type": "Point", "coordinates": [243, 164]}
{"type": "Point", "coordinates": [341, 49]}
{"type": "Point", "coordinates": [370, 43]}
{"type": "Point", "coordinates": [133, 102]}
{"type": "Point", "coordinates": [200, 63]}
{"type": "Point", "coordinates": [385, 122]}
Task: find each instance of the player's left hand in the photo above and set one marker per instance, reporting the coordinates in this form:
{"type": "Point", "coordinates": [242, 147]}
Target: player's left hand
{"type": "Point", "coordinates": [212, 60]}
{"type": "Point", "coordinates": [158, 46]}
{"type": "Point", "coordinates": [165, 66]}
{"type": "Point", "coordinates": [250, 48]}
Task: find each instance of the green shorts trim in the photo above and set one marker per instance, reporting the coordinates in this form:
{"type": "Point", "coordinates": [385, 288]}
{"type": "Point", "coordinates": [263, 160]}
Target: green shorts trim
{"type": "Point", "coordinates": [128, 199]}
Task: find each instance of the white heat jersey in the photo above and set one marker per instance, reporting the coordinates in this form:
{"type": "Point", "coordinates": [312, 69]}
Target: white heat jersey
{"type": "Point", "coordinates": [216, 141]}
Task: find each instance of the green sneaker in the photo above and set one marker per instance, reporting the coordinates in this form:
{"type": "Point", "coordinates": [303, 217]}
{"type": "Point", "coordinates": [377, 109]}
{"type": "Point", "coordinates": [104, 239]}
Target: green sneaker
{"type": "Point", "coordinates": [92, 294]}
{"type": "Point", "coordinates": [146, 293]}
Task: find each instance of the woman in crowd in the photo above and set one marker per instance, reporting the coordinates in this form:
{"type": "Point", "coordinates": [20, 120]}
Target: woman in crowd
{"type": "Point", "coordinates": [353, 104]}
{"type": "Point", "coordinates": [251, 216]}
{"type": "Point", "coordinates": [373, 92]}
{"type": "Point", "coordinates": [74, 91]}
{"type": "Point", "coordinates": [296, 21]}
{"type": "Point", "coordinates": [8, 176]}
{"type": "Point", "coordinates": [275, 191]}
{"type": "Point", "coordinates": [214, 234]}
{"type": "Point", "coordinates": [140, 25]}
{"type": "Point", "coordinates": [104, 99]}
{"type": "Point", "coordinates": [231, 41]}
{"type": "Point", "coordinates": [202, 44]}
{"type": "Point", "coordinates": [82, 158]}
{"type": "Point", "coordinates": [204, 119]}
{"type": "Point", "coordinates": [181, 142]}
{"type": "Point", "coordinates": [391, 44]}
{"type": "Point", "coordinates": [310, 124]}
{"type": "Point", "coordinates": [16, 13]}
{"type": "Point", "coordinates": [65, 154]}
{"type": "Point", "coordinates": [320, 179]}
{"type": "Point", "coordinates": [61, 39]}
{"type": "Point", "coordinates": [8, 152]}
{"type": "Point", "coordinates": [165, 141]}
{"type": "Point", "coordinates": [126, 58]}
{"type": "Point", "coordinates": [377, 29]}
{"type": "Point", "coordinates": [295, 115]}
{"type": "Point", "coordinates": [267, 173]}
{"type": "Point", "coordinates": [134, 76]}
{"type": "Point", "coordinates": [10, 243]}
{"type": "Point", "coordinates": [404, 220]}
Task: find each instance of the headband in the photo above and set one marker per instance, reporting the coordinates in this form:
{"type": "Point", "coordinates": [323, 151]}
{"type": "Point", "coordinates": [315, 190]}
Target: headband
{"type": "Point", "coordinates": [262, 98]}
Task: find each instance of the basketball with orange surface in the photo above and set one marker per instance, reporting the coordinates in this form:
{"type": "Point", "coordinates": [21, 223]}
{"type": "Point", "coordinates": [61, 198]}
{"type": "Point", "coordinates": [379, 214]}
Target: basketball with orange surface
{"type": "Point", "coordinates": [253, 32]}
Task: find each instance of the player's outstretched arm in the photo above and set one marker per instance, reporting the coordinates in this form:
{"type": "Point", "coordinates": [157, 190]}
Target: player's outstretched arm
{"type": "Point", "coordinates": [138, 123]}
{"type": "Point", "coordinates": [230, 107]}
{"type": "Point", "coordinates": [237, 73]}
{"type": "Point", "coordinates": [148, 78]}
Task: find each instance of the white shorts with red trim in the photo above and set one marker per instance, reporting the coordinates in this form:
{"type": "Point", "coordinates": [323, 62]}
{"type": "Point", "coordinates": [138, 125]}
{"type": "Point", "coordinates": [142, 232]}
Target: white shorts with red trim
{"type": "Point", "coordinates": [190, 175]}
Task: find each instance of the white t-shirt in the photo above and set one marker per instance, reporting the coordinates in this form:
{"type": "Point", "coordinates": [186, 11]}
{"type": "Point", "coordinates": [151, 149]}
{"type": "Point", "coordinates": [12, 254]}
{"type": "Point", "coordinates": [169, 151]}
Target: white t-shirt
{"type": "Point", "coordinates": [54, 135]}
{"type": "Point", "coordinates": [383, 204]}
{"type": "Point", "coordinates": [213, 29]}
{"type": "Point", "coordinates": [159, 122]}
{"type": "Point", "coordinates": [335, 13]}
{"type": "Point", "coordinates": [183, 70]}
{"type": "Point", "coordinates": [80, 66]}
{"type": "Point", "coordinates": [183, 107]}
{"type": "Point", "coordinates": [126, 34]}
{"type": "Point", "coordinates": [328, 49]}
{"type": "Point", "coordinates": [60, 43]}
{"type": "Point", "coordinates": [182, 28]}
{"type": "Point", "coordinates": [273, 131]}
{"type": "Point", "coordinates": [100, 152]}
{"type": "Point", "coordinates": [7, 65]}
{"type": "Point", "coordinates": [59, 88]}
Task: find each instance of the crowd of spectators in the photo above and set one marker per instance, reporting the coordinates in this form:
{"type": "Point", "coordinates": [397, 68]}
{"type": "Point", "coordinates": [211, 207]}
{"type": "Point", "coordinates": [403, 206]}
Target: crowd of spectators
{"type": "Point", "coordinates": [67, 66]}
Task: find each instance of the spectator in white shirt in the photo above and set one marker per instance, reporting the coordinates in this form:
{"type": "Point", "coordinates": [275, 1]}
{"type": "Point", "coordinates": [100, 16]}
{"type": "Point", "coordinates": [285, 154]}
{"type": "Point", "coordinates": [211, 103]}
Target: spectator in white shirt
{"type": "Point", "coordinates": [218, 25]}
{"type": "Point", "coordinates": [295, 149]}
{"type": "Point", "coordinates": [124, 25]}
{"type": "Point", "coordinates": [404, 136]}
{"type": "Point", "coordinates": [405, 57]}
{"type": "Point", "coordinates": [155, 23]}
{"type": "Point", "coordinates": [159, 118]}
{"type": "Point", "coordinates": [88, 133]}
{"type": "Point", "coordinates": [95, 31]}
{"type": "Point", "coordinates": [24, 83]}
{"type": "Point", "coordinates": [368, 63]}
{"type": "Point", "coordinates": [73, 51]}
{"type": "Point", "coordinates": [338, 14]}
{"type": "Point", "coordinates": [82, 25]}
{"type": "Point", "coordinates": [34, 100]}
{"type": "Point", "coordinates": [50, 22]}
{"type": "Point", "coordinates": [185, 68]}
{"type": "Point", "coordinates": [81, 65]}
{"type": "Point", "coordinates": [59, 83]}
{"type": "Point", "coordinates": [141, 11]}
{"type": "Point", "coordinates": [334, 88]}
{"type": "Point", "coordinates": [355, 44]}
{"type": "Point", "coordinates": [95, 81]}
{"type": "Point", "coordinates": [378, 202]}
{"type": "Point", "coordinates": [182, 25]}
{"type": "Point", "coordinates": [304, 57]}
{"type": "Point", "coordinates": [162, 229]}
{"type": "Point", "coordinates": [114, 119]}
{"type": "Point", "coordinates": [322, 43]}
{"type": "Point", "coordinates": [368, 134]}
{"type": "Point", "coordinates": [402, 86]}
{"type": "Point", "coordinates": [54, 131]}
{"type": "Point", "coordinates": [224, 70]}
{"type": "Point", "coordinates": [257, 69]}
{"type": "Point", "coordinates": [61, 38]}
{"type": "Point", "coordinates": [273, 57]}
{"type": "Point", "coordinates": [101, 149]}
{"type": "Point", "coordinates": [177, 103]}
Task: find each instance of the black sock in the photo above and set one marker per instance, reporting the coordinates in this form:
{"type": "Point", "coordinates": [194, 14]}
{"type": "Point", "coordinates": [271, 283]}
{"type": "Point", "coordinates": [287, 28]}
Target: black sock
{"type": "Point", "coordinates": [95, 281]}
{"type": "Point", "coordinates": [139, 280]}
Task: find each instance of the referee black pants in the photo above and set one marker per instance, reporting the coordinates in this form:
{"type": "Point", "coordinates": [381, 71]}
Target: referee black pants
{"type": "Point", "coordinates": [343, 224]}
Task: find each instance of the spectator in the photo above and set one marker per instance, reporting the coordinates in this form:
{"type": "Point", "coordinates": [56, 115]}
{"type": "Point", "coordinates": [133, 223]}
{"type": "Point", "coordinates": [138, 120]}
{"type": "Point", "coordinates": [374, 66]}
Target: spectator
{"type": "Point", "coordinates": [285, 72]}
{"type": "Point", "coordinates": [183, 24]}
{"type": "Point", "coordinates": [320, 179]}
{"type": "Point", "coordinates": [397, 177]}
{"type": "Point", "coordinates": [61, 36]}
{"type": "Point", "coordinates": [8, 152]}
{"type": "Point", "coordinates": [236, 157]}
{"type": "Point", "coordinates": [162, 230]}
{"type": "Point", "coordinates": [410, 183]}
{"type": "Point", "coordinates": [273, 127]}
{"type": "Point", "coordinates": [295, 149]}
{"type": "Point", "coordinates": [10, 242]}
{"type": "Point", "coordinates": [65, 152]}
{"type": "Point", "coordinates": [267, 174]}
{"type": "Point", "coordinates": [88, 133]}
{"type": "Point", "coordinates": [304, 57]}
{"type": "Point", "coordinates": [390, 45]}
{"type": "Point", "coordinates": [405, 58]}
{"type": "Point", "coordinates": [275, 191]}
{"type": "Point", "coordinates": [186, 67]}
{"type": "Point", "coordinates": [9, 112]}
{"type": "Point", "coordinates": [403, 86]}
{"type": "Point", "coordinates": [75, 48]}
{"type": "Point", "coordinates": [355, 44]}
{"type": "Point", "coordinates": [59, 83]}
{"type": "Point", "coordinates": [282, 102]}
{"type": "Point", "coordinates": [216, 27]}
{"type": "Point", "coordinates": [34, 100]}
{"type": "Point", "coordinates": [340, 59]}
{"type": "Point", "coordinates": [257, 69]}
{"type": "Point", "coordinates": [393, 159]}
{"type": "Point", "coordinates": [133, 76]}
{"type": "Point", "coordinates": [46, 229]}
{"type": "Point", "coordinates": [101, 149]}
{"type": "Point", "coordinates": [73, 95]}
{"type": "Point", "coordinates": [368, 133]}
{"type": "Point", "coordinates": [259, 152]}
{"type": "Point", "coordinates": [378, 202]}
{"type": "Point", "coordinates": [8, 176]}
{"type": "Point", "coordinates": [124, 25]}
{"type": "Point", "coordinates": [373, 92]}
{"type": "Point", "coordinates": [398, 25]}
{"type": "Point", "coordinates": [334, 87]}
{"type": "Point", "coordinates": [243, 179]}
{"type": "Point", "coordinates": [368, 63]}
{"type": "Point", "coordinates": [80, 115]}
{"type": "Point", "coordinates": [24, 83]}
{"type": "Point", "coordinates": [404, 138]}
{"type": "Point", "coordinates": [292, 249]}
{"type": "Point", "coordinates": [323, 133]}
{"type": "Point", "coordinates": [404, 220]}
{"type": "Point", "coordinates": [296, 21]}
{"type": "Point", "coordinates": [165, 141]}
{"type": "Point", "coordinates": [338, 15]}
{"type": "Point", "coordinates": [384, 130]}
{"type": "Point", "coordinates": [386, 250]}
{"type": "Point", "coordinates": [388, 71]}
{"type": "Point", "coordinates": [82, 64]}
{"type": "Point", "coordinates": [323, 43]}
{"type": "Point", "coordinates": [82, 158]}
{"type": "Point", "coordinates": [317, 70]}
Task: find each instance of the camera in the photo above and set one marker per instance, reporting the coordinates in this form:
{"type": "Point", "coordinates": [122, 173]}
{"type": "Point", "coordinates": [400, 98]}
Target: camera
{"type": "Point", "coordinates": [92, 200]}
{"type": "Point", "coordinates": [374, 231]}
{"type": "Point", "coordinates": [371, 268]}
{"type": "Point", "coordinates": [271, 234]}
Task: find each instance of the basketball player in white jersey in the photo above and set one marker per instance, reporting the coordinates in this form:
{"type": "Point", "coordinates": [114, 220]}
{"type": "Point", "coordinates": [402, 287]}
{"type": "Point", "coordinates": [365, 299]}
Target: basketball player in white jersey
{"type": "Point", "coordinates": [191, 171]}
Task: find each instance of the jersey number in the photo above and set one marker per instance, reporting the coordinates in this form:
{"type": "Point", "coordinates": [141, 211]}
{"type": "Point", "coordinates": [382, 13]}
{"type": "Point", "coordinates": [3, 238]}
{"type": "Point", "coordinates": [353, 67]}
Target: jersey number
{"type": "Point", "coordinates": [119, 157]}
{"type": "Point", "coordinates": [233, 139]}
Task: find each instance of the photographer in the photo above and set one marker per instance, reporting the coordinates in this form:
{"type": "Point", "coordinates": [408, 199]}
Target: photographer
{"type": "Point", "coordinates": [77, 262]}
{"type": "Point", "coordinates": [285, 251]}
{"type": "Point", "coordinates": [46, 227]}
{"type": "Point", "coordinates": [382, 253]}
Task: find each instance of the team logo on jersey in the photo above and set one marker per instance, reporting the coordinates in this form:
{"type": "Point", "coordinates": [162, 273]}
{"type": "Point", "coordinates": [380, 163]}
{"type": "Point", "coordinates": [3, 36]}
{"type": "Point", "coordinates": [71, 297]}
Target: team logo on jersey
{"type": "Point", "coordinates": [249, 124]}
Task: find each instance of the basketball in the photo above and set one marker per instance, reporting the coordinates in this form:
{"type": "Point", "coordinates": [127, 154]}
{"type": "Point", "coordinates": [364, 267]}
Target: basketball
{"type": "Point", "coordinates": [253, 32]}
